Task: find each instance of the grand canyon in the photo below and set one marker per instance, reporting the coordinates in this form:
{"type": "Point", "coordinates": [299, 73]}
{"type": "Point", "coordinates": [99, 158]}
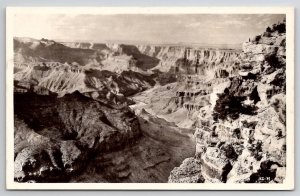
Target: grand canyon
{"type": "Point", "coordinates": [150, 113]}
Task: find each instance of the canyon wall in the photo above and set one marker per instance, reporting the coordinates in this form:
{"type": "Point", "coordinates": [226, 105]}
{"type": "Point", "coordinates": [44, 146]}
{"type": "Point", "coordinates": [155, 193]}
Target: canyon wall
{"type": "Point", "coordinates": [166, 58]}
{"type": "Point", "coordinates": [192, 60]}
{"type": "Point", "coordinates": [241, 134]}
{"type": "Point", "coordinates": [112, 70]}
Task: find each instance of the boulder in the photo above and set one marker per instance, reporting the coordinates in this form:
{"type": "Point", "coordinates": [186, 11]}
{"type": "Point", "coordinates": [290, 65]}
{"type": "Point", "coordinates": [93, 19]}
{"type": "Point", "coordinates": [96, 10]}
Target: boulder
{"type": "Point", "coordinates": [188, 172]}
{"type": "Point", "coordinates": [215, 164]}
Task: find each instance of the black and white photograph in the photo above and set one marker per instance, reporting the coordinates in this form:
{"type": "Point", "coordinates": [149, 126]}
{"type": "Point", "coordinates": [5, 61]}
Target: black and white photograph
{"type": "Point", "coordinates": [182, 98]}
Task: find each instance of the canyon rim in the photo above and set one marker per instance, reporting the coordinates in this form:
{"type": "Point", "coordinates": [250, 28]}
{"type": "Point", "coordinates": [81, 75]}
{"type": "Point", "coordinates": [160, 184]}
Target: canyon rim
{"type": "Point", "coordinates": [150, 98]}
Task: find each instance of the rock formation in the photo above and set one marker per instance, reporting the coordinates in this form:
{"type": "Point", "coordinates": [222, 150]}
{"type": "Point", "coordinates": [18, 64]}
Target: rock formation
{"type": "Point", "coordinates": [110, 112]}
{"type": "Point", "coordinates": [240, 137]}
{"type": "Point", "coordinates": [72, 121]}
{"type": "Point", "coordinates": [58, 135]}
{"type": "Point", "coordinates": [191, 60]}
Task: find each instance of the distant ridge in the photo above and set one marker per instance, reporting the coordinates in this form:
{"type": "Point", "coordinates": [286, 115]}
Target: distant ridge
{"type": "Point", "coordinates": [132, 42]}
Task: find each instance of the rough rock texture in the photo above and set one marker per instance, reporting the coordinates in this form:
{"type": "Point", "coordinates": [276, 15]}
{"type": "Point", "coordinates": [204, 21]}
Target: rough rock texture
{"type": "Point", "coordinates": [111, 70]}
{"type": "Point", "coordinates": [118, 57]}
{"type": "Point", "coordinates": [54, 136]}
{"type": "Point", "coordinates": [241, 136]}
{"type": "Point", "coordinates": [96, 70]}
{"type": "Point", "coordinates": [188, 172]}
{"type": "Point", "coordinates": [150, 159]}
{"type": "Point", "coordinates": [63, 136]}
{"type": "Point", "coordinates": [191, 60]}
{"type": "Point", "coordinates": [103, 85]}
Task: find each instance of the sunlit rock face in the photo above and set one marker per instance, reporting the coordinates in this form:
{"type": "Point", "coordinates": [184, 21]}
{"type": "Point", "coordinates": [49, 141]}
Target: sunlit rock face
{"type": "Point", "coordinates": [188, 172]}
{"type": "Point", "coordinates": [192, 60]}
{"type": "Point", "coordinates": [241, 136]}
{"type": "Point", "coordinates": [140, 58]}
{"type": "Point", "coordinates": [110, 72]}
{"type": "Point", "coordinates": [91, 69]}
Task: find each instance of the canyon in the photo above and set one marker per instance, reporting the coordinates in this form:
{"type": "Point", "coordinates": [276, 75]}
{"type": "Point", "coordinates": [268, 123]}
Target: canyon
{"type": "Point", "coordinates": [113, 112]}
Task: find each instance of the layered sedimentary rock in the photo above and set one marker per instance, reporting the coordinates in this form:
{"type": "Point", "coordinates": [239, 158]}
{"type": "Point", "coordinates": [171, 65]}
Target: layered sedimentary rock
{"type": "Point", "coordinates": [105, 86]}
{"type": "Point", "coordinates": [241, 136]}
{"type": "Point", "coordinates": [114, 71]}
{"type": "Point", "coordinates": [197, 60]}
{"type": "Point", "coordinates": [97, 70]}
{"type": "Point", "coordinates": [166, 58]}
{"type": "Point", "coordinates": [72, 121]}
{"type": "Point", "coordinates": [197, 72]}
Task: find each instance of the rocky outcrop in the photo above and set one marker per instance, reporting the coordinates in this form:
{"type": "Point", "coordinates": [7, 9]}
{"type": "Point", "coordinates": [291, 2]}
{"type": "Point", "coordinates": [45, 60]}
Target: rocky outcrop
{"type": "Point", "coordinates": [102, 85]}
{"type": "Point", "coordinates": [191, 60]}
{"type": "Point", "coordinates": [188, 172]}
{"type": "Point", "coordinates": [54, 136]}
{"type": "Point", "coordinates": [241, 136]}
{"type": "Point", "coordinates": [115, 71]}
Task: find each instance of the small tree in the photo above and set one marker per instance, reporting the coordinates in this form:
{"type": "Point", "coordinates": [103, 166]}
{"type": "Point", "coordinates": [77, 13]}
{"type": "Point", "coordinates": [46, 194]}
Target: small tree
{"type": "Point", "coordinates": [257, 38]}
{"type": "Point", "coordinates": [269, 30]}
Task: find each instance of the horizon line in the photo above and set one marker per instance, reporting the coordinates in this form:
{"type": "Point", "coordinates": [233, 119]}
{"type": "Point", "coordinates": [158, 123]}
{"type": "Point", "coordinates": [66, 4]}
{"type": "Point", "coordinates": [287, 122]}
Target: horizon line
{"type": "Point", "coordinates": [135, 42]}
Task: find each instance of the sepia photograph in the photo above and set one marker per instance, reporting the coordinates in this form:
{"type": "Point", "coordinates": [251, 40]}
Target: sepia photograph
{"type": "Point", "coordinates": [150, 98]}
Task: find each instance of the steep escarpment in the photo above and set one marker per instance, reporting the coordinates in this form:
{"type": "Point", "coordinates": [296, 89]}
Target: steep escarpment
{"type": "Point", "coordinates": [72, 122]}
{"type": "Point", "coordinates": [77, 139]}
{"type": "Point", "coordinates": [98, 71]}
{"type": "Point", "coordinates": [105, 86]}
{"type": "Point", "coordinates": [184, 59]}
{"type": "Point", "coordinates": [55, 136]}
{"type": "Point", "coordinates": [111, 72]}
{"type": "Point", "coordinates": [123, 57]}
{"type": "Point", "coordinates": [189, 81]}
{"type": "Point", "coordinates": [192, 60]}
{"type": "Point", "coordinates": [241, 135]}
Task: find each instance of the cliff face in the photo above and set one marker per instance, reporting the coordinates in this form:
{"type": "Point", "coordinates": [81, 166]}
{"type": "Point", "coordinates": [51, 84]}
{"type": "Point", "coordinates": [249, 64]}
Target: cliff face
{"type": "Point", "coordinates": [166, 58]}
{"type": "Point", "coordinates": [72, 120]}
{"type": "Point", "coordinates": [102, 85]}
{"type": "Point", "coordinates": [207, 59]}
{"type": "Point", "coordinates": [55, 136]}
{"type": "Point", "coordinates": [108, 72]}
{"type": "Point", "coordinates": [241, 135]}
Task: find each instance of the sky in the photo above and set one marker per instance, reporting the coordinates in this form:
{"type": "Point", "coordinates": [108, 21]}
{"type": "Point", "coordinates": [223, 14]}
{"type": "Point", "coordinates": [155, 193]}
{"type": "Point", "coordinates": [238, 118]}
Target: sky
{"type": "Point", "coordinates": [216, 29]}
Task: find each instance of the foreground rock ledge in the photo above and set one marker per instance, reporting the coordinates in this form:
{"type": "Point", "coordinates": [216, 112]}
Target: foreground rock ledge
{"type": "Point", "coordinates": [55, 137]}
